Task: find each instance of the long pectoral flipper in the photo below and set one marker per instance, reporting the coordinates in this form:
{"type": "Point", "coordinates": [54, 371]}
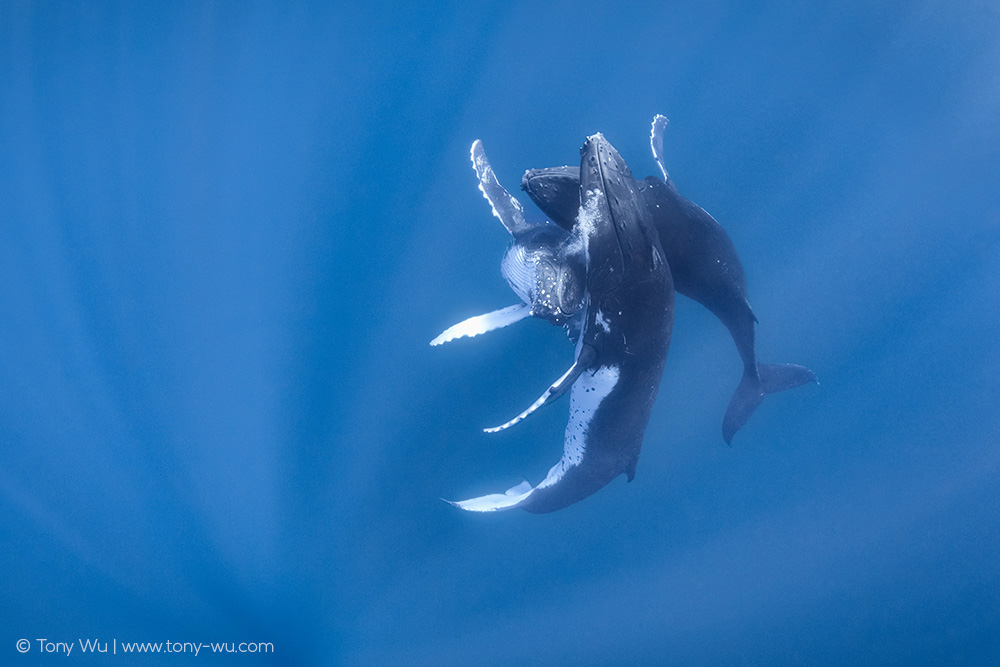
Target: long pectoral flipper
{"type": "Point", "coordinates": [558, 388]}
{"type": "Point", "coordinates": [483, 323]}
{"type": "Point", "coordinates": [656, 142]}
{"type": "Point", "coordinates": [583, 467]}
{"type": "Point", "coordinates": [505, 207]}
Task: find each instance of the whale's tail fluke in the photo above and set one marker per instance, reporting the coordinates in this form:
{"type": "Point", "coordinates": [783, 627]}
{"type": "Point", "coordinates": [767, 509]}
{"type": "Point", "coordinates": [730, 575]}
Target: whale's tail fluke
{"type": "Point", "coordinates": [769, 379]}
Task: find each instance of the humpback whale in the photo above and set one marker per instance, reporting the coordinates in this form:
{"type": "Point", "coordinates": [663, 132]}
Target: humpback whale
{"type": "Point", "coordinates": [544, 264]}
{"type": "Point", "coordinates": [614, 292]}
{"type": "Point", "coordinates": [703, 263]}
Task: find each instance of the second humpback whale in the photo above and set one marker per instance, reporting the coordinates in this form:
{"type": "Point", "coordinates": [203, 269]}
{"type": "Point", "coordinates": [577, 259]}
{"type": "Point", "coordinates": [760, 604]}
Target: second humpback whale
{"type": "Point", "coordinates": [609, 273]}
{"type": "Point", "coordinates": [703, 263]}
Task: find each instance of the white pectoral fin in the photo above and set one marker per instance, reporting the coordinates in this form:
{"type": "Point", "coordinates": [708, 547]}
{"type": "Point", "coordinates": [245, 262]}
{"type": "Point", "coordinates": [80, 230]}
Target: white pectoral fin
{"type": "Point", "coordinates": [656, 142]}
{"type": "Point", "coordinates": [483, 323]}
{"type": "Point", "coordinates": [505, 206]}
{"type": "Point", "coordinates": [558, 388]}
{"type": "Point", "coordinates": [588, 394]}
{"type": "Point", "coordinates": [496, 501]}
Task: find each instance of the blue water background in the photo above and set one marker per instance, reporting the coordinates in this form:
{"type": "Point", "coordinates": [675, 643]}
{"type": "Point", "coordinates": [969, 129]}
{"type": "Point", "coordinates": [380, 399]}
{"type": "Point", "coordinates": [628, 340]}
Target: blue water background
{"type": "Point", "coordinates": [229, 230]}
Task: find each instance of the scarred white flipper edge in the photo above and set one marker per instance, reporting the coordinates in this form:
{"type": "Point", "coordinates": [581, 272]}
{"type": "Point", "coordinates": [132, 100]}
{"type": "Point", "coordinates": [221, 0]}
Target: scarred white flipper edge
{"type": "Point", "coordinates": [558, 388]}
{"type": "Point", "coordinates": [656, 142]}
{"type": "Point", "coordinates": [482, 323]}
{"type": "Point", "coordinates": [505, 207]}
